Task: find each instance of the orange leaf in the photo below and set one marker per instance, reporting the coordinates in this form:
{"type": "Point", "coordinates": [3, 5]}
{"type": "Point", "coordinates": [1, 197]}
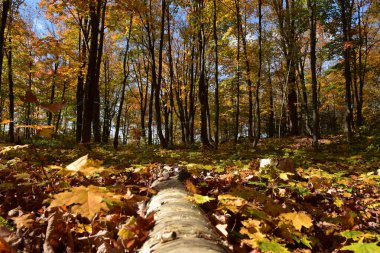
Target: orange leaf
{"type": "Point", "coordinates": [5, 121]}
{"type": "Point", "coordinates": [54, 107]}
{"type": "Point", "coordinates": [4, 246]}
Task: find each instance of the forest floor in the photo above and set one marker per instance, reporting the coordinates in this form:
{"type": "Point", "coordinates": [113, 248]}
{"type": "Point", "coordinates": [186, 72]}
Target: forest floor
{"type": "Point", "coordinates": [57, 197]}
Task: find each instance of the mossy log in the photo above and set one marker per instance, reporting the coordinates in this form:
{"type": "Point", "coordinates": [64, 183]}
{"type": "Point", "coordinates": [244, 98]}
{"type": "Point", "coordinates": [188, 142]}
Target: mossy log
{"type": "Point", "coordinates": [181, 226]}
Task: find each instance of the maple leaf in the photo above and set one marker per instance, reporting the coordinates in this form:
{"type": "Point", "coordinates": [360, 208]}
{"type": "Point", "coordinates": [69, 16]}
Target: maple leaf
{"type": "Point", "coordinates": [24, 221]}
{"type": "Point", "coordinates": [86, 200]}
{"type": "Point", "coordinates": [5, 121]}
{"type": "Point", "coordinates": [29, 97]}
{"type": "Point", "coordinates": [298, 220]}
{"type": "Point", "coordinates": [362, 247]}
{"type": "Point", "coordinates": [273, 247]}
{"type": "Point", "coordinates": [200, 199]}
{"type": "Point", "coordinates": [53, 107]}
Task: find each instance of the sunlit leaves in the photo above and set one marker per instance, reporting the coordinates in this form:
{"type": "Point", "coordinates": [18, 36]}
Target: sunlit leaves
{"type": "Point", "coordinates": [272, 247]}
{"type": "Point", "coordinates": [86, 200]}
{"type": "Point", "coordinates": [363, 247]}
{"type": "Point", "coordinates": [298, 220]}
{"type": "Point", "coordinates": [200, 199]}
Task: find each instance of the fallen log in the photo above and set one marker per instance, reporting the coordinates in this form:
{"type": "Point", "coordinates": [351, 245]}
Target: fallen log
{"type": "Point", "coordinates": [181, 226]}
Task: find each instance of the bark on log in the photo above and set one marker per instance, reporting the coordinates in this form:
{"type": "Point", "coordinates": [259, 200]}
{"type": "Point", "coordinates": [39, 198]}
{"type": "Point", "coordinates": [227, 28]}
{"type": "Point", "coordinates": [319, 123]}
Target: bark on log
{"type": "Point", "coordinates": [181, 226]}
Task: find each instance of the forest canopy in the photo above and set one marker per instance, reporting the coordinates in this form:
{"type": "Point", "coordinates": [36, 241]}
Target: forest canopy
{"type": "Point", "coordinates": [174, 72]}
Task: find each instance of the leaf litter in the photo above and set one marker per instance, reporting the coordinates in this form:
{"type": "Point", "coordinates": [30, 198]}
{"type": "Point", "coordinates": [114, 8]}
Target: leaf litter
{"type": "Point", "coordinates": [50, 203]}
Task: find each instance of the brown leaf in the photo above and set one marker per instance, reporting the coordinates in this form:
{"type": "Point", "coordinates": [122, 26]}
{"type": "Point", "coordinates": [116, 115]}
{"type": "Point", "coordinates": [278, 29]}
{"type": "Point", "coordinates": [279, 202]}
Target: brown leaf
{"type": "Point", "coordinates": [4, 246]}
{"type": "Point", "coordinates": [55, 230]}
{"type": "Point", "coordinates": [24, 221]}
{"type": "Point", "coordinates": [53, 107]}
{"type": "Point", "coordinates": [29, 97]}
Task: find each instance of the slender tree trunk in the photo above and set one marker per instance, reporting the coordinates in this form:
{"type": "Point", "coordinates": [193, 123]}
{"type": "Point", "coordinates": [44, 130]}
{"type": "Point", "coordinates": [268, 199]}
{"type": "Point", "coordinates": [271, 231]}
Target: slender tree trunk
{"type": "Point", "coordinates": [80, 85]}
{"type": "Point", "coordinates": [345, 16]}
{"type": "Point", "coordinates": [29, 107]}
{"type": "Point", "coordinates": [4, 16]}
{"type": "Point", "coordinates": [203, 89]}
{"type": "Point", "coordinates": [52, 92]}
{"type": "Point", "coordinates": [271, 121]}
{"type": "Point", "coordinates": [361, 70]}
{"type": "Point", "coordinates": [191, 114]}
{"type": "Point", "coordinates": [313, 61]}
{"type": "Point", "coordinates": [258, 86]}
{"type": "Point", "coordinates": [107, 110]}
{"type": "Point", "coordinates": [237, 101]}
{"type": "Point", "coordinates": [305, 110]}
{"type": "Point", "coordinates": [215, 35]}
{"type": "Point", "coordinates": [126, 74]}
{"type": "Point", "coordinates": [58, 122]}
{"type": "Point", "coordinates": [150, 114]}
{"type": "Point", "coordinates": [247, 68]}
{"type": "Point", "coordinates": [171, 73]}
{"type": "Point", "coordinates": [11, 94]}
{"type": "Point", "coordinates": [157, 97]}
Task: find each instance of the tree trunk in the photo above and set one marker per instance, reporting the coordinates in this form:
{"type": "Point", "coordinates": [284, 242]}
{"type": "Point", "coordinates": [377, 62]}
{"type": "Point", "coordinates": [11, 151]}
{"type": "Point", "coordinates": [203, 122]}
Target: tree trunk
{"type": "Point", "coordinates": [4, 16]}
{"type": "Point", "coordinates": [258, 118]}
{"type": "Point", "coordinates": [126, 74]}
{"type": "Point", "coordinates": [271, 121]}
{"type": "Point", "coordinates": [60, 111]}
{"type": "Point", "coordinates": [237, 102]}
{"type": "Point", "coordinates": [11, 94]}
{"type": "Point", "coordinates": [90, 86]}
{"type": "Point", "coordinates": [305, 109]}
{"type": "Point", "coordinates": [361, 70]}
{"type": "Point", "coordinates": [29, 107]}
{"type": "Point", "coordinates": [346, 27]}
{"type": "Point", "coordinates": [80, 87]}
{"type": "Point", "coordinates": [191, 114]}
{"type": "Point", "coordinates": [52, 92]}
{"type": "Point", "coordinates": [157, 99]}
{"type": "Point", "coordinates": [215, 35]}
{"type": "Point", "coordinates": [313, 61]}
{"type": "Point", "coordinates": [171, 73]}
{"type": "Point", "coordinates": [203, 89]}
{"type": "Point", "coordinates": [101, 10]}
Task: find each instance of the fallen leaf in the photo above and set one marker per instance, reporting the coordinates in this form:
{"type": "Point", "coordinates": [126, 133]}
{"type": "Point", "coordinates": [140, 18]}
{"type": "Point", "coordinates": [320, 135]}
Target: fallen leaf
{"type": "Point", "coordinates": [272, 247]}
{"type": "Point", "coordinates": [24, 221]}
{"type": "Point", "coordinates": [298, 220]}
{"type": "Point", "coordinates": [86, 200]}
{"type": "Point", "coordinates": [362, 247]}
{"type": "Point", "coordinates": [78, 164]}
{"type": "Point", "coordinates": [200, 199]}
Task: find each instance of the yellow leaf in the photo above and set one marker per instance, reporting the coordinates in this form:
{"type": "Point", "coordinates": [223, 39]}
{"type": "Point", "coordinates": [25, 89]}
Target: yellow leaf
{"type": "Point", "coordinates": [338, 202]}
{"type": "Point", "coordinates": [86, 200]}
{"type": "Point", "coordinates": [298, 220]}
{"type": "Point", "coordinates": [82, 228]}
{"type": "Point", "coordinates": [200, 199]}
